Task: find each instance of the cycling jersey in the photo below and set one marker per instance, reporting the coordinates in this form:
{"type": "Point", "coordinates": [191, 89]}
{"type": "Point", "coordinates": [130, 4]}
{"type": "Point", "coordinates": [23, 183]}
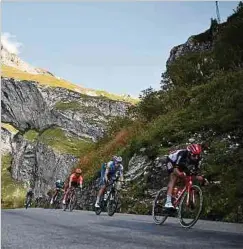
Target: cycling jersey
{"type": "Point", "coordinates": [76, 179]}
{"type": "Point", "coordinates": [29, 193]}
{"type": "Point", "coordinates": [59, 185]}
{"type": "Point", "coordinates": [112, 171]}
{"type": "Point", "coordinates": [180, 159]}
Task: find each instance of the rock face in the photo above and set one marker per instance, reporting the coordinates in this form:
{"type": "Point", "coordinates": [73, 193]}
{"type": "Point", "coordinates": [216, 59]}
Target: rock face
{"type": "Point", "coordinates": [191, 45]}
{"type": "Point", "coordinates": [6, 138]}
{"type": "Point", "coordinates": [39, 165]}
{"type": "Point", "coordinates": [27, 105]}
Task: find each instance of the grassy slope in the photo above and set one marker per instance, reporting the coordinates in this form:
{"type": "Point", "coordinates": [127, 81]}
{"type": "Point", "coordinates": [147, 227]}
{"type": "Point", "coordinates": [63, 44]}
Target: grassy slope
{"type": "Point", "coordinates": [49, 80]}
{"type": "Point", "coordinates": [13, 192]}
{"type": "Point", "coordinates": [62, 142]}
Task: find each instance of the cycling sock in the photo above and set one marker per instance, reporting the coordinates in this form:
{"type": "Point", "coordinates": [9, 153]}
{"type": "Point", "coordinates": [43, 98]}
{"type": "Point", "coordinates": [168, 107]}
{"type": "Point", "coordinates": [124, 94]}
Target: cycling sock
{"type": "Point", "coordinates": [98, 199]}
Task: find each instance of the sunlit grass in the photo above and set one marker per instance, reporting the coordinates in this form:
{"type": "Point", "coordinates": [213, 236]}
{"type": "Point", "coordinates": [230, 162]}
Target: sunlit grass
{"type": "Point", "coordinates": [13, 192]}
{"type": "Point", "coordinates": [11, 72]}
{"type": "Point", "coordinates": [9, 127]}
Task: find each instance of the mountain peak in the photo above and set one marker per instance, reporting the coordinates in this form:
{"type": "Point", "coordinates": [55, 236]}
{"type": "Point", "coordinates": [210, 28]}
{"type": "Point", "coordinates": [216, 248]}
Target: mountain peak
{"type": "Point", "coordinates": [12, 60]}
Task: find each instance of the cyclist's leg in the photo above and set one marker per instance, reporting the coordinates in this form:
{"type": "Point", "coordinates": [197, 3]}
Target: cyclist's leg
{"type": "Point", "coordinates": [66, 192]}
{"type": "Point", "coordinates": [101, 192]}
{"type": "Point", "coordinates": [171, 184]}
{"type": "Point", "coordinates": [54, 196]}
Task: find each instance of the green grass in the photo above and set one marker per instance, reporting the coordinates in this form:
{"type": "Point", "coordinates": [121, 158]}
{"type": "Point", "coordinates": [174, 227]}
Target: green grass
{"type": "Point", "coordinates": [10, 128]}
{"type": "Point", "coordinates": [13, 192]}
{"type": "Point", "coordinates": [49, 80]}
{"type": "Point", "coordinates": [11, 72]}
{"type": "Point", "coordinates": [62, 142]}
{"type": "Point", "coordinates": [31, 135]}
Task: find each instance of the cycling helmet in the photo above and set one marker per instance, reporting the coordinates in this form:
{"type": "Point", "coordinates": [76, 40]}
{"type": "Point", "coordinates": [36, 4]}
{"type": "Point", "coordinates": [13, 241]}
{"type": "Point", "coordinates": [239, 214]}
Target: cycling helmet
{"type": "Point", "coordinates": [195, 149]}
{"type": "Point", "coordinates": [117, 159]}
{"type": "Point", "coordinates": [59, 181]}
{"type": "Point", "coordinates": [78, 171]}
{"type": "Point", "coordinates": [30, 190]}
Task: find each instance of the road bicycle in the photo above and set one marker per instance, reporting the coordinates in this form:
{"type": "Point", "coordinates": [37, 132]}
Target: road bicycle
{"type": "Point", "coordinates": [109, 200]}
{"type": "Point", "coordinates": [28, 201]}
{"type": "Point", "coordinates": [58, 199]}
{"type": "Point", "coordinates": [187, 202]}
{"type": "Point", "coordinates": [71, 200]}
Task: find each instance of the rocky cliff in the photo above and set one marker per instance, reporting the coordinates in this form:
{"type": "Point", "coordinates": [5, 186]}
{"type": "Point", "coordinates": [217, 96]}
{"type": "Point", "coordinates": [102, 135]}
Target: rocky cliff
{"type": "Point", "coordinates": [28, 105]}
{"type": "Point", "coordinates": [51, 126]}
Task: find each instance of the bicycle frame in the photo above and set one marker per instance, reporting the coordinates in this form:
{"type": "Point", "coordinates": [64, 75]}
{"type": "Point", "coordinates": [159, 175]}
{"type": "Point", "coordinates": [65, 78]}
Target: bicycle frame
{"type": "Point", "coordinates": [187, 188]}
{"type": "Point", "coordinates": [72, 192]}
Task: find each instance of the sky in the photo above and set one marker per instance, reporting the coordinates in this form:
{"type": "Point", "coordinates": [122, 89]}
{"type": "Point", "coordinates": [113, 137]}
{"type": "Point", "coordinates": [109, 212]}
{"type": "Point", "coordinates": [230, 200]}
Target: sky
{"type": "Point", "coordinates": [120, 47]}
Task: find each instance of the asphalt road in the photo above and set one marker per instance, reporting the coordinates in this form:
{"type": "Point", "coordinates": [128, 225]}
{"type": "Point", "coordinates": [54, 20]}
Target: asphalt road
{"type": "Point", "coordinates": [55, 229]}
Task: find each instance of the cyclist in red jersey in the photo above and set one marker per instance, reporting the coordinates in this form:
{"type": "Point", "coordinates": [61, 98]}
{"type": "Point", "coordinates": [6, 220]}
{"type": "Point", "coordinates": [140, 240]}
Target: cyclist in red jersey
{"type": "Point", "coordinates": [74, 180]}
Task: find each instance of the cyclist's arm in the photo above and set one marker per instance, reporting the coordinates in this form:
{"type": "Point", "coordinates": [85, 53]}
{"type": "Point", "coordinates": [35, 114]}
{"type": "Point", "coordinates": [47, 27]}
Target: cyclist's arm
{"type": "Point", "coordinates": [81, 181]}
{"type": "Point", "coordinates": [106, 174]}
{"type": "Point", "coordinates": [121, 173]}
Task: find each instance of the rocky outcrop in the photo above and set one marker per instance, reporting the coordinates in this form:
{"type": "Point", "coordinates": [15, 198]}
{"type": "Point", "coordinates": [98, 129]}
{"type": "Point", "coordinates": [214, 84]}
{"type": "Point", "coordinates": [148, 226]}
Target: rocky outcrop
{"type": "Point", "coordinates": [191, 45]}
{"type": "Point", "coordinates": [5, 141]}
{"type": "Point", "coordinates": [28, 105]}
{"type": "Point", "coordinates": [39, 165]}
{"type": "Point", "coordinates": [23, 106]}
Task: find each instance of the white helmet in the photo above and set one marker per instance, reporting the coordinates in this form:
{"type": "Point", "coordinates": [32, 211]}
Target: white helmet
{"type": "Point", "coordinates": [58, 181]}
{"type": "Point", "coordinates": [117, 159]}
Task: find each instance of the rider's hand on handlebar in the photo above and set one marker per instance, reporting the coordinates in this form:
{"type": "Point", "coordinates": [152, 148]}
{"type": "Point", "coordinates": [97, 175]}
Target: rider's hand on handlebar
{"type": "Point", "coordinates": [206, 182]}
{"type": "Point", "coordinates": [183, 174]}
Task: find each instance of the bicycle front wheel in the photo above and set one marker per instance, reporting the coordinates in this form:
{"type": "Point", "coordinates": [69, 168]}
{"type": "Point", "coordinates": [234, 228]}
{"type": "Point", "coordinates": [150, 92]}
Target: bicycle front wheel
{"type": "Point", "coordinates": [159, 213]}
{"type": "Point", "coordinates": [191, 207]}
{"type": "Point", "coordinates": [72, 202]}
{"type": "Point", "coordinates": [27, 202]}
{"type": "Point", "coordinates": [112, 203]}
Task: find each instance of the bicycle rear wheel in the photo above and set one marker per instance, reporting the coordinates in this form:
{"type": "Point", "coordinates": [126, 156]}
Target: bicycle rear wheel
{"type": "Point", "coordinates": [57, 201]}
{"type": "Point", "coordinates": [190, 214]}
{"type": "Point", "coordinates": [159, 212]}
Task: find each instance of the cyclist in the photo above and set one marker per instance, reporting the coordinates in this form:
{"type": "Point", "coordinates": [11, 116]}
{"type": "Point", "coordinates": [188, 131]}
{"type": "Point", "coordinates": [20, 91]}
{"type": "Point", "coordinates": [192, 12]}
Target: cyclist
{"type": "Point", "coordinates": [74, 180]}
{"type": "Point", "coordinates": [177, 163]}
{"type": "Point", "coordinates": [59, 187]}
{"type": "Point", "coordinates": [109, 172]}
{"type": "Point", "coordinates": [30, 194]}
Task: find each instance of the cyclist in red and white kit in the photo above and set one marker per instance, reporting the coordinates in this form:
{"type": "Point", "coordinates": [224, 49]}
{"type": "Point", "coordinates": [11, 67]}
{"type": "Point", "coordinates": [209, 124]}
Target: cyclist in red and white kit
{"type": "Point", "coordinates": [177, 163]}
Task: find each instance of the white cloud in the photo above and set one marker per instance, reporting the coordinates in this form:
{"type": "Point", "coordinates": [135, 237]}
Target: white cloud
{"type": "Point", "coordinates": [10, 44]}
